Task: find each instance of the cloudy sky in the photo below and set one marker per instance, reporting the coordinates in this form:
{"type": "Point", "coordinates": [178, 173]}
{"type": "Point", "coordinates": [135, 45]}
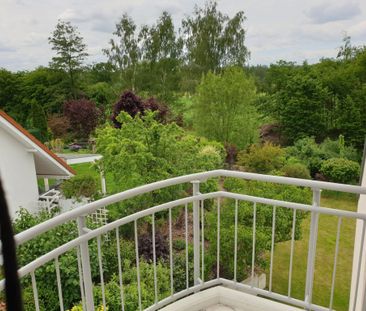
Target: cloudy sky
{"type": "Point", "coordinates": [295, 30]}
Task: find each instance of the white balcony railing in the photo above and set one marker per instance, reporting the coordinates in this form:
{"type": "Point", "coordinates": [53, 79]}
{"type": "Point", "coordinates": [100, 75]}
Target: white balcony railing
{"type": "Point", "coordinates": [197, 200]}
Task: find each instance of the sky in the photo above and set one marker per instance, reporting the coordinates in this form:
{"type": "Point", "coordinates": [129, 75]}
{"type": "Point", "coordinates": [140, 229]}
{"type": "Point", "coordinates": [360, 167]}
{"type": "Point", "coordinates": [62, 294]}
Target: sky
{"type": "Point", "coordinates": [291, 30]}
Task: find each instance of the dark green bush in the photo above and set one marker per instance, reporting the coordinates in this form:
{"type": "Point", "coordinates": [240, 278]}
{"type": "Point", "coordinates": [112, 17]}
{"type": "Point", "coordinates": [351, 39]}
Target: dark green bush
{"type": "Point", "coordinates": [341, 170]}
{"type": "Point", "coordinates": [80, 186]}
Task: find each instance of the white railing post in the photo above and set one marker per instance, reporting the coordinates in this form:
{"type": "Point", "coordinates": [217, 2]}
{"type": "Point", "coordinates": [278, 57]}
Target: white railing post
{"type": "Point", "coordinates": [85, 264]}
{"type": "Point", "coordinates": [313, 236]}
{"type": "Point", "coordinates": [196, 233]}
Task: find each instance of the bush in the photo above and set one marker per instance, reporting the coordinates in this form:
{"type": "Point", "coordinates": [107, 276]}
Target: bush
{"type": "Point", "coordinates": [262, 158]}
{"type": "Point", "coordinates": [83, 116]}
{"type": "Point", "coordinates": [297, 170]}
{"type": "Point", "coordinates": [337, 149]}
{"type": "Point", "coordinates": [308, 151]}
{"type": "Point", "coordinates": [80, 186]}
{"type": "Point", "coordinates": [341, 170]}
{"type": "Point", "coordinates": [59, 125]}
{"type": "Point", "coordinates": [313, 154]}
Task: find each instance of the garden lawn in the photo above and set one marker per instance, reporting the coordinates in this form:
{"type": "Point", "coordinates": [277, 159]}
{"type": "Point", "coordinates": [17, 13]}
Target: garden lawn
{"type": "Point", "coordinates": [324, 257]}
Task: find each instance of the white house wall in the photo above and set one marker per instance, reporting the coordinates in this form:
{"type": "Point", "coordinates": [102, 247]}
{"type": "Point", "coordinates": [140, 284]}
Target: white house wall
{"type": "Point", "coordinates": [18, 175]}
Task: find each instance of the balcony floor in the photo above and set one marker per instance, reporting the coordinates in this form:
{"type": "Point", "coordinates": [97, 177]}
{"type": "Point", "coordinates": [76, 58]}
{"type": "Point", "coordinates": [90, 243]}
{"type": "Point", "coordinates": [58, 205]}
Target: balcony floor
{"type": "Point", "coordinates": [221, 298]}
{"type": "Point", "coordinates": [221, 307]}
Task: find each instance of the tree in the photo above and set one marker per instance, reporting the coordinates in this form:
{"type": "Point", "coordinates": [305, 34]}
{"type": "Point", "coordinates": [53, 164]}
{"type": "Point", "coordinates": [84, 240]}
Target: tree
{"type": "Point", "coordinates": [161, 50]}
{"type": "Point", "coordinates": [144, 150]}
{"type": "Point", "coordinates": [224, 108]}
{"type": "Point", "coordinates": [39, 121]}
{"type": "Point", "coordinates": [124, 53]}
{"type": "Point", "coordinates": [83, 116]}
{"type": "Point", "coordinates": [136, 106]}
{"type": "Point", "coordinates": [70, 51]}
{"type": "Point", "coordinates": [48, 87]}
{"type": "Point", "coordinates": [301, 108]}
{"type": "Point", "coordinates": [346, 52]}
{"type": "Point", "coordinates": [129, 103]}
{"type": "Point", "coordinates": [213, 40]}
{"type": "Point", "coordinates": [10, 95]}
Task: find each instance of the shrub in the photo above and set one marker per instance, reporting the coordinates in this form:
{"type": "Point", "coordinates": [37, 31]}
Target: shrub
{"type": "Point", "coordinates": [309, 152]}
{"type": "Point", "coordinates": [297, 170]}
{"type": "Point", "coordinates": [59, 125]}
{"type": "Point", "coordinates": [337, 149]}
{"type": "Point", "coordinates": [313, 154]}
{"type": "Point", "coordinates": [135, 105]}
{"type": "Point", "coordinates": [262, 158]}
{"type": "Point", "coordinates": [80, 186]}
{"type": "Point", "coordinates": [83, 116]}
{"type": "Point", "coordinates": [129, 103]}
{"type": "Point", "coordinates": [341, 170]}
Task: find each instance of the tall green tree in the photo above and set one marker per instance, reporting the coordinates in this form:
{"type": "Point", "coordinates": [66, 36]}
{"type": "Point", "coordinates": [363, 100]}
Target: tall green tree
{"type": "Point", "coordinates": [124, 51]}
{"type": "Point", "coordinates": [161, 50]}
{"type": "Point", "coordinates": [301, 108]}
{"type": "Point", "coordinates": [70, 50]}
{"type": "Point", "coordinates": [10, 95]}
{"type": "Point", "coordinates": [39, 121]}
{"type": "Point", "coordinates": [224, 109]}
{"type": "Point", "coordinates": [214, 40]}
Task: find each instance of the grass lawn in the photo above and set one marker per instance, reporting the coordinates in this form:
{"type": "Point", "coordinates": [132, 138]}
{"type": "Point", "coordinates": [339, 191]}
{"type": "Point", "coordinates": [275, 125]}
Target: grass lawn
{"type": "Point", "coordinates": [324, 258]}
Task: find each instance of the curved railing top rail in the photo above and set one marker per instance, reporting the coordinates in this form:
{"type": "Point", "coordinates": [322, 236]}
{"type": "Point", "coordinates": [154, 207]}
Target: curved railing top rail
{"type": "Point", "coordinates": [93, 206]}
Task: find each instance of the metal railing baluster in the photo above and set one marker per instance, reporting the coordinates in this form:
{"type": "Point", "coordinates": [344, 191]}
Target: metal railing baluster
{"type": "Point", "coordinates": [291, 252]}
{"type": "Point", "coordinates": [203, 241]}
{"type": "Point", "coordinates": [335, 263]}
{"type": "Point", "coordinates": [218, 239]}
{"type": "Point", "coordinates": [196, 234]}
{"type": "Point", "coordinates": [236, 241]}
{"type": "Point", "coordinates": [138, 265]}
{"type": "Point", "coordinates": [312, 248]}
{"type": "Point", "coordinates": [59, 287]}
{"type": "Point", "coordinates": [272, 247]}
{"type": "Point", "coordinates": [85, 263]}
{"type": "Point", "coordinates": [101, 270]}
{"type": "Point", "coordinates": [120, 273]}
{"type": "Point", "coordinates": [253, 243]}
{"type": "Point", "coordinates": [80, 278]}
{"type": "Point", "coordinates": [35, 291]}
{"type": "Point", "coordinates": [154, 259]}
{"type": "Point", "coordinates": [186, 238]}
{"type": "Point", "coordinates": [171, 253]}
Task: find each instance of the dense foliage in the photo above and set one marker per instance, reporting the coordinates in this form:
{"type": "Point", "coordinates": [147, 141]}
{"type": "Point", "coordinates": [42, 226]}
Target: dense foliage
{"type": "Point", "coordinates": [83, 186]}
{"type": "Point", "coordinates": [341, 170]}
{"type": "Point", "coordinates": [262, 159]}
{"type": "Point", "coordinates": [225, 109]}
{"type": "Point", "coordinates": [82, 115]}
{"type": "Point", "coordinates": [144, 150]}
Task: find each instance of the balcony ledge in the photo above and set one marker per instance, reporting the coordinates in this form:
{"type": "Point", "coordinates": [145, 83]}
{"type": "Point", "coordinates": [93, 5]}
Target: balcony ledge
{"type": "Point", "coordinates": [221, 298]}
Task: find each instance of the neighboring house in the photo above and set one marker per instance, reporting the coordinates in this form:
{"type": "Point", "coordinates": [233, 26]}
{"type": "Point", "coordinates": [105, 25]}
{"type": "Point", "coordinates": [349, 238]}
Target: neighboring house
{"type": "Point", "coordinates": [23, 160]}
